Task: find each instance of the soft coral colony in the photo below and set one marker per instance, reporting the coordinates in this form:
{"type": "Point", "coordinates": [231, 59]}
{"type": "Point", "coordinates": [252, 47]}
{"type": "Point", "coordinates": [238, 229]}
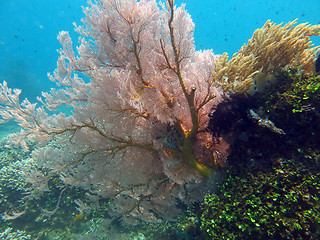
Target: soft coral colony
{"type": "Point", "coordinates": [141, 97]}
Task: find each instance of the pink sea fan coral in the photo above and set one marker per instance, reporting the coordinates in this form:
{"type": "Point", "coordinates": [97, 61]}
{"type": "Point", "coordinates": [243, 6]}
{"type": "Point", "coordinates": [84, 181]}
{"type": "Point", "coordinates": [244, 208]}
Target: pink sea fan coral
{"type": "Point", "coordinates": [140, 96]}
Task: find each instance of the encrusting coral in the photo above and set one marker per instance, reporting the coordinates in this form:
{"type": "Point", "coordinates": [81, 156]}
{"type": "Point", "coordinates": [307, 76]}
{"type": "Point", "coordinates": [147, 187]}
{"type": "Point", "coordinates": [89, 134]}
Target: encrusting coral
{"type": "Point", "coordinates": [137, 134]}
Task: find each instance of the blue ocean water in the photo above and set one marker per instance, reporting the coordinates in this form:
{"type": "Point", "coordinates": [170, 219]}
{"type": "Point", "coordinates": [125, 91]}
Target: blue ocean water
{"type": "Point", "coordinates": [29, 29]}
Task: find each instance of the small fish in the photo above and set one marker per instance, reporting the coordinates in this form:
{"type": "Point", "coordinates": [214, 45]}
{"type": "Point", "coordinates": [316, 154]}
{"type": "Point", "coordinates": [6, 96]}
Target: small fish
{"type": "Point", "coordinates": [260, 82]}
{"type": "Point", "coordinates": [79, 216]}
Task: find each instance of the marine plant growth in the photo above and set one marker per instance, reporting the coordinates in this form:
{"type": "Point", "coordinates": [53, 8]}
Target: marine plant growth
{"type": "Point", "coordinates": [272, 191]}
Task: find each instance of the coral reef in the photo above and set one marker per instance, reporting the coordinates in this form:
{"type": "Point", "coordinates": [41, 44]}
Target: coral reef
{"type": "Point", "coordinates": [144, 134]}
{"type": "Point", "coordinates": [281, 203]}
{"type": "Point", "coordinates": [272, 191]}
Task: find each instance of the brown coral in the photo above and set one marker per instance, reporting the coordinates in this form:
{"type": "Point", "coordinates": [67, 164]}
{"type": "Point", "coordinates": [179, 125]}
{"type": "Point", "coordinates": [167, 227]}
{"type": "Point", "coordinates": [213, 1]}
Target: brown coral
{"type": "Point", "coordinates": [271, 48]}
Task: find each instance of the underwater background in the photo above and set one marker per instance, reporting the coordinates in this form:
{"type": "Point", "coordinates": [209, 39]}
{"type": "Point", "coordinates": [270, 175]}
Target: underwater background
{"type": "Point", "coordinates": [28, 44]}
